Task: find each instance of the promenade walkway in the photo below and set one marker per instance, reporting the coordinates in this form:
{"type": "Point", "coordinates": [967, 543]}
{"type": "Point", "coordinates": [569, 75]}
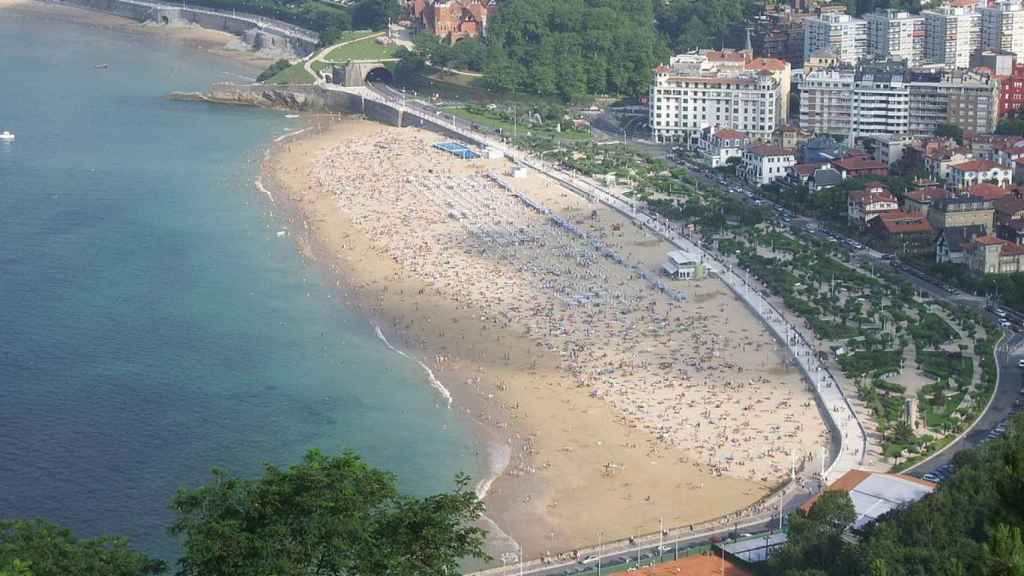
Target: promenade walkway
{"type": "Point", "coordinates": [275, 26]}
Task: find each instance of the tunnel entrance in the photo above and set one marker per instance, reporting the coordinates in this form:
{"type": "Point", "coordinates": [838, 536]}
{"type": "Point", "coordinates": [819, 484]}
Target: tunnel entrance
{"type": "Point", "coordinates": [380, 75]}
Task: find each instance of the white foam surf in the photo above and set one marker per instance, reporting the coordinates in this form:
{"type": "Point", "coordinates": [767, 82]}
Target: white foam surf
{"type": "Point", "coordinates": [430, 373]}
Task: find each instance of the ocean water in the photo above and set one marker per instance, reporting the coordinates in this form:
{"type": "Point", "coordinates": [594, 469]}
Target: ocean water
{"type": "Point", "coordinates": [153, 324]}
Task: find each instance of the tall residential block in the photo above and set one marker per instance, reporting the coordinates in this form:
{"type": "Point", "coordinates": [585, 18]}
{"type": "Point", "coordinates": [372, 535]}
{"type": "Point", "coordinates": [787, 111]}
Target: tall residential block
{"type": "Point", "coordinates": [1002, 26]}
{"type": "Point", "coordinates": [952, 33]}
{"type": "Point", "coordinates": [889, 99]}
{"type": "Point", "coordinates": [844, 35]}
{"type": "Point", "coordinates": [896, 35]}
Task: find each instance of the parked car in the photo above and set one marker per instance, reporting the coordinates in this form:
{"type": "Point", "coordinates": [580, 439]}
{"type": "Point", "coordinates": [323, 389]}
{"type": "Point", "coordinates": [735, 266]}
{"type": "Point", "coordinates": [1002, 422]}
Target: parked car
{"type": "Point", "coordinates": [999, 312]}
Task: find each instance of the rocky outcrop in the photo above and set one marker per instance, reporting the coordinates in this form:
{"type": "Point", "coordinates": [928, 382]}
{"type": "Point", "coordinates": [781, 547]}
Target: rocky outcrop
{"type": "Point", "coordinates": [302, 98]}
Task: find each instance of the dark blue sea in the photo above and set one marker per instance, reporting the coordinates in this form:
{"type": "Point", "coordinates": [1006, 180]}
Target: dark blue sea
{"type": "Point", "coordinates": [153, 325]}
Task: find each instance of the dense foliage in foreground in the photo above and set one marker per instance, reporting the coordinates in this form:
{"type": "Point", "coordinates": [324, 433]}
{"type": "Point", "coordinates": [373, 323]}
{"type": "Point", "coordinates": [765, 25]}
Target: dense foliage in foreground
{"type": "Point", "coordinates": [328, 515]}
{"type": "Point", "coordinates": [971, 525]}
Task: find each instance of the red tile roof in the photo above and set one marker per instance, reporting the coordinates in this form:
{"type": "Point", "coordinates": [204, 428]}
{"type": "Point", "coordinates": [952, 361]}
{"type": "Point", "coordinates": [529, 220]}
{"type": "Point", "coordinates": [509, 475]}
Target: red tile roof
{"type": "Point", "coordinates": [904, 223]}
{"type": "Point", "coordinates": [807, 169]}
{"type": "Point", "coordinates": [859, 164]}
{"type": "Point", "coordinates": [866, 197]}
{"type": "Point", "coordinates": [694, 566]}
{"type": "Point", "coordinates": [773, 64]}
{"type": "Point", "coordinates": [1006, 248]}
{"type": "Point", "coordinates": [988, 191]}
{"type": "Point", "coordinates": [730, 134]}
{"type": "Point", "coordinates": [975, 166]}
{"type": "Point", "coordinates": [923, 195]}
{"type": "Point", "coordinates": [768, 150]}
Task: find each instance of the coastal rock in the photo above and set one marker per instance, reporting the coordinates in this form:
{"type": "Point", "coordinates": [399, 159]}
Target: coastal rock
{"type": "Point", "coordinates": [254, 95]}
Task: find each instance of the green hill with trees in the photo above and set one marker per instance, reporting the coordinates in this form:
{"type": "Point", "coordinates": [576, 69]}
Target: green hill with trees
{"type": "Point", "coordinates": [971, 525]}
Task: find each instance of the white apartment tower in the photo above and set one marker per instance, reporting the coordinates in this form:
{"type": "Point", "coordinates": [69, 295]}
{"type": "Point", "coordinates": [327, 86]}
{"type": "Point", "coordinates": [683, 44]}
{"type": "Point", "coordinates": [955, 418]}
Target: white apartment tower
{"type": "Point", "coordinates": [867, 101]}
{"type": "Point", "coordinates": [844, 35]}
{"type": "Point", "coordinates": [1002, 27]}
{"type": "Point", "coordinates": [896, 36]}
{"type": "Point", "coordinates": [952, 33]}
{"type": "Point", "coordinates": [695, 93]}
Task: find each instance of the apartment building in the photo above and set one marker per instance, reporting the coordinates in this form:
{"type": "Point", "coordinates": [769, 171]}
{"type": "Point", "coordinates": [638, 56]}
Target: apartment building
{"type": "Point", "coordinates": [845, 35]}
{"type": "Point", "coordinates": [718, 89]}
{"type": "Point", "coordinates": [896, 35]}
{"type": "Point", "coordinates": [762, 165]}
{"type": "Point", "coordinates": [779, 36]}
{"type": "Point", "coordinates": [960, 97]}
{"type": "Point", "coordinates": [1002, 26]}
{"type": "Point", "coordinates": [863, 101]}
{"type": "Point", "coordinates": [887, 98]}
{"type": "Point", "coordinates": [952, 33]}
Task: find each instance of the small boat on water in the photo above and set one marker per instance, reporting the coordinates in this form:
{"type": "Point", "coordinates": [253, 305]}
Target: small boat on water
{"type": "Point", "coordinates": [5, 135]}
{"type": "Point", "coordinates": [101, 66]}
{"type": "Point", "coordinates": [291, 115]}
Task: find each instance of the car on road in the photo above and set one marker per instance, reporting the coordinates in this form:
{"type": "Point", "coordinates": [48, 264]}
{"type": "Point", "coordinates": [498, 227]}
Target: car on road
{"type": "Point", "coordinates": [930, 477]}
{"type": "Point", "coordinates": [588, 559]}
{"type": "Point", "coordinates": [999, 312]}
{"type": "Point", "coordinates": [1004, 323]}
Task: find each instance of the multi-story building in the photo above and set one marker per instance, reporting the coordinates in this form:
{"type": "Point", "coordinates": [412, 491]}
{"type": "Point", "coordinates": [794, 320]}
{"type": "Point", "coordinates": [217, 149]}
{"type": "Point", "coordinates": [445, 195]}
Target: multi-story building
{"type": "Point", "coordinates": [705, 89]}
{"type": "Point", "coordinates": [1002, 26]}
{"type": "Point", "coordinates": [963, 98]}
{"type": "Point", "coordinates": [961, 212]}
{"type": "Point", "coordinates": [967, 174]}
{"type": "Point", "coordinates": [952, 33]}
{"type": "Point", "coordinates": [845, 35]}
{"type": "Point", "coordinates": [992, 255]}
{"type": "Point", "coordinates": [896, 35]}
{"type": "Point", "coordinates": [779, 36]}
{"type": "Point", "coordinates": [862, 206]}
{"type": "Point", "coordinates": [765, 164]}
{"type": "Point", "coordinates": [718, 145]}
{"type": "Point", "coordinates": [863, 101]}
{"type": "Point", "coordinates": [452, 20]}
{"type": "Point", "coordinates": [998, 61]}
{"type": "Point", "coordinates": [1011, 91]}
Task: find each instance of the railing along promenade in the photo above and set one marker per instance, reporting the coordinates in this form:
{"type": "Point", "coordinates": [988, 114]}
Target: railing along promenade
{"type": "Point", "coordinates": [842, 418]}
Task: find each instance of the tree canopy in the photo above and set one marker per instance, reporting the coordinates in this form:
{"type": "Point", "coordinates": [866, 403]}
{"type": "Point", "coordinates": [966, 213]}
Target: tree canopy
{"type": "Point", "coordinates": [970, 525]}
{"type": "Point", "coordinates": [38, 548]}
{"type": "Point", "coordinates": [326, 516]}
{"type": "Point", "coordinates": [570, 48]}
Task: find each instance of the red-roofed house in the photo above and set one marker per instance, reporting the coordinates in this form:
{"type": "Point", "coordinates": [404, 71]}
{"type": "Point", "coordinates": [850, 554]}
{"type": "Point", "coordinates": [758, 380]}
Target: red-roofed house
{"type": "Point", "coordinates": [453, 20]}
{"type": "Point", "coordinates": [967, 174]}
{"type": "Point", "coordinates": [992, 255]}
{"type": "Point", "coordinates": [864, 205]}
{"type": "Point", "coordinates": [854, 167]}
{"type": "Point", "coordinates": [763, 165]}
{"type": "Point", "coordinates": [718, 145]}
{"type": "Point", "coordinates": [903, 232]}
{"type": "Point", "coordinates": [799, 174]}
{"type": "Point", "coordinates": [918, 201]}
{"type": "Point", "coordinates": [988, 191]}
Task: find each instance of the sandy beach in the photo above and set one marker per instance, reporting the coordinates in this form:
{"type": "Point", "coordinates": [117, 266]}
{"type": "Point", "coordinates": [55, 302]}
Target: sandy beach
{"type": "Point", "coordinates": [213, 41]}
{"type": "Point", "coordinates": [622, 406]}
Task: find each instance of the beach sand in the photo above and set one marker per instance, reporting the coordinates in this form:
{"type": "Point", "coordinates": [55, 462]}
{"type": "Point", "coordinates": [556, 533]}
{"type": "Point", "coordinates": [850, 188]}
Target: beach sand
{"type": "Point", "coordinates": [213, 41]}
{"type": "Point", "coordinates": [622, 407]}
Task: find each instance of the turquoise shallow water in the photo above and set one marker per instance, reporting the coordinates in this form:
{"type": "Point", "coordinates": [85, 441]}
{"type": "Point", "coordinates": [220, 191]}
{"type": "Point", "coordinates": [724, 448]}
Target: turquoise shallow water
{"type": "Point", "coordinates": [152, 323]}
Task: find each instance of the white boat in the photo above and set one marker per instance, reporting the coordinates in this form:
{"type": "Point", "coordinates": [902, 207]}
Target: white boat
{"type": "Point", "coordinates": [5, 135]}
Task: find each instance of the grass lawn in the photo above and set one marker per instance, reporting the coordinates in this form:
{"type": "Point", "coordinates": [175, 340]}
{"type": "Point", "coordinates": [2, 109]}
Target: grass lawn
{"type": "Point", "coordinates": [367, 49]}
{"type": "Point", "coordinates": [507, 127]}
{"type": "Point", "coordinates": [294, 74]}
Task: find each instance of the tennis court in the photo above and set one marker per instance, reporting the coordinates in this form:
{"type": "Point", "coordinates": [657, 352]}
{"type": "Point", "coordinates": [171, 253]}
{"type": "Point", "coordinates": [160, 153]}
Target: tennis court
{"type": "Point", "coordinates": [457, 149]}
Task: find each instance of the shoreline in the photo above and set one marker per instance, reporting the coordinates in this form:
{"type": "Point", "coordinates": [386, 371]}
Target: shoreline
{"type": "Point", "coordinates": [526, 500]}
{"type": "Point", "coordinates": [216, 42]}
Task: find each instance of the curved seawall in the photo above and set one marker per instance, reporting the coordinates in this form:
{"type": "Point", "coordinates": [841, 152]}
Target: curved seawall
{"type": "Point", "coordinates": [269, 36]}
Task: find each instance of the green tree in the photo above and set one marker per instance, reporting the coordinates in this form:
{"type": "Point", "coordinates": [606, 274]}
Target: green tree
{"type": "Point", "coordinates": [38, 548]}
{"type": "Point", "coordinates": [953, 131]}
{"type": "Point", "coordinates": [327, 516]}
{"type": "Point", "coordinates": [375, 14]}
{"type": "Point", "coordinates": [16, 568]}
{"type": "Point", "coordinates": [1004, 553]}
